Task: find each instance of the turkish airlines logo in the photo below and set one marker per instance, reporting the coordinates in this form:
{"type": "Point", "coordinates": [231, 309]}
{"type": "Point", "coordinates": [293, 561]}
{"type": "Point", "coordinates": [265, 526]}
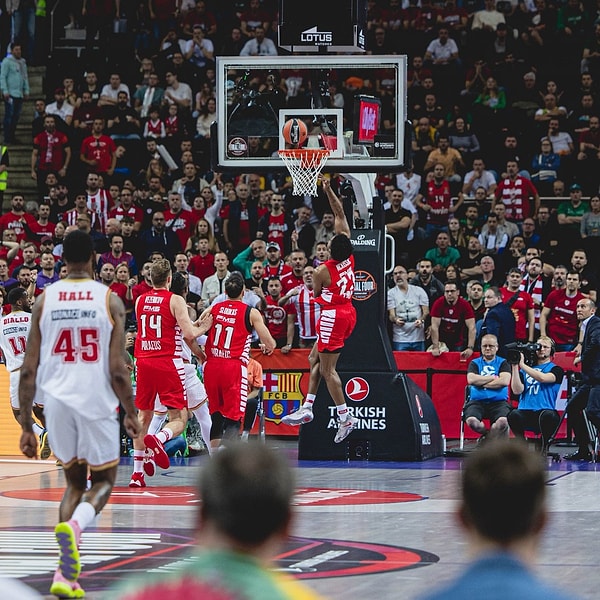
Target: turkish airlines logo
{"type": "Point", "coordinates": [357, 389]}
{"type": "Point", "coordinates": [419, 407]}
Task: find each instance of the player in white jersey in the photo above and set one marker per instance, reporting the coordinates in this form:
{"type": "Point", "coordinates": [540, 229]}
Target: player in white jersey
{"type": "Point", "coordinates": [74, 365]}
{"type": "Point", "coordinates": [14, 331]}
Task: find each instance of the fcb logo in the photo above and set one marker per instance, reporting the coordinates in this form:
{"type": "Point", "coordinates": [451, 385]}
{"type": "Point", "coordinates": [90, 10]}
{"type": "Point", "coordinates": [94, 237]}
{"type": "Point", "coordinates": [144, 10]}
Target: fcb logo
{"type": "Point", "coordinates": [357, 389]}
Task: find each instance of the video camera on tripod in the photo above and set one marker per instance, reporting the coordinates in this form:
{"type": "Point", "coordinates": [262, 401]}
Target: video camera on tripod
{"type": "Point", "coordinates": [527, 349]}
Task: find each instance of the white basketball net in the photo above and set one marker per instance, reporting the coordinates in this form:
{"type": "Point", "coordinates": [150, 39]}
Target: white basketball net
{"type": "Point", "coordinates": [304, 165]}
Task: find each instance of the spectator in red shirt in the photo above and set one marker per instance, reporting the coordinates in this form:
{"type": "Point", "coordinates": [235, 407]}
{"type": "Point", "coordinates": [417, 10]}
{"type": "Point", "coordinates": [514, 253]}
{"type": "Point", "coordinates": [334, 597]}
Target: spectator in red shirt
{"type": "Point", "coordinates": [51, 153]}
{"type": "Point", "coordinates": [98, 151]}
{"type": "Point", "coordinates": [127, 208]}
{"type": "Point", "coordinates": [178, 220]}
{"type": "Point", "coordinates": [202, 264]}
{"type": "Point", "coordinates": [516, 193]}
{"type": "Point", "coordinates": [436, 201]}
{"type": "Point", "coordinates": [42, 228]}
{"type": "Point", "coordinates": [294, 278]}
{"type": "Point", "coordinates": [280, 319]}
{"type": "Point", "coordinates": [16, 218]}
{"type": "Point", "coordinates": [521, 304]}
{"type": "Point", "coordinates": [450, 317]}
{"type": "Point", "coordinates": [558, 318]}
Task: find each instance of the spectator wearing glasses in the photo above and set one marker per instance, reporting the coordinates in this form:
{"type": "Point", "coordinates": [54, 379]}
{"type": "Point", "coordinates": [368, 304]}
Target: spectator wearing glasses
{"type": "Point", "coordinates": [489, 378]}
{"type": "Point", "coordinates": [408, 307]}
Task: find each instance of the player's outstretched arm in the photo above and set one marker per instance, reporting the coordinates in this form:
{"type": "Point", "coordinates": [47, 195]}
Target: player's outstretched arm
{"type": "Point", "coordinates": [340, 224]}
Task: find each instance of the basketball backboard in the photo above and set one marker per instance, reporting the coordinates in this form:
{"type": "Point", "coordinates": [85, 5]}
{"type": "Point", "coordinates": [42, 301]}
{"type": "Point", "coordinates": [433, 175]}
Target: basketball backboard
{"type": "Point", "coordinates": [354, 106]}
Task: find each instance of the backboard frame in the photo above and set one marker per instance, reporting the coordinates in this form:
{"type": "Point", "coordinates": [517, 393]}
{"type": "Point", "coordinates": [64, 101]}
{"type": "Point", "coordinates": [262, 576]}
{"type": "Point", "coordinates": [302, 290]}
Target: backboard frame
{"type": "Point", "coordinates": [230, 70]}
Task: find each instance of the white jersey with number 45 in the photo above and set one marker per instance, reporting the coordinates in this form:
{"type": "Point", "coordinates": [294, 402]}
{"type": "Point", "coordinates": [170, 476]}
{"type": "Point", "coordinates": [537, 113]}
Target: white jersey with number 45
{"type": "Point", "coordinates": [76, 328]}
{"type": "Point", "coordinates": [14, 330]}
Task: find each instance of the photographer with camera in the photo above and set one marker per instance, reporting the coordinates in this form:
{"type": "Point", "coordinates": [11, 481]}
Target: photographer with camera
{"type": "Point", "coordinates": [489, 377]}
{"type": "Point", "coordinates": [537, 386]}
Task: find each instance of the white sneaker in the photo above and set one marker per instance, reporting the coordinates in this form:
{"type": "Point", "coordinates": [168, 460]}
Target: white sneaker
{"type": "Point", "coordinates": [345, 428]}
{"type": "Point", "coordinates": [302, 415]}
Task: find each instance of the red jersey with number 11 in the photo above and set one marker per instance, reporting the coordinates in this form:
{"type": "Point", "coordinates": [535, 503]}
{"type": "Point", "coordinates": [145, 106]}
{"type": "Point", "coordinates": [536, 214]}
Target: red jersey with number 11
{"type": "Point", "coordinates": [158, 335]}
{"type": "Point", "coordinates": [230, 334]}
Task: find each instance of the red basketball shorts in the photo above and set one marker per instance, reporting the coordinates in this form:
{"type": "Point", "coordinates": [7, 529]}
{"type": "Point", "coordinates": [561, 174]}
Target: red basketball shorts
{"type": "Point", "coordinates": [164, 378]}
{"type": "Point", "coordinates": [334, 327]}
{"type": "Point", "coordinates": [226, 383]}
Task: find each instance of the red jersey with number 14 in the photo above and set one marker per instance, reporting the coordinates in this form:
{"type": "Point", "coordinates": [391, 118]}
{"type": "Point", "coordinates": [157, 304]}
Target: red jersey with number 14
{"type": "Point", "coordinates": [341, 288]}
{"type": "Point", "coordinates": [158, 335]}
{"type": "Point", "coordinates": [230, 334]}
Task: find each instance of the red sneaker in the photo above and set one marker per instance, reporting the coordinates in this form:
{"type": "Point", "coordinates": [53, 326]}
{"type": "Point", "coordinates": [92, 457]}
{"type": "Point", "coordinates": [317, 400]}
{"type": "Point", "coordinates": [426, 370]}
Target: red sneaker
{"type": "Point", "coordinates": [137, 481]}
{"type": "Point", "coordinates": [161, 458]}
{"type": "Point", "coordinates": [149, 465]}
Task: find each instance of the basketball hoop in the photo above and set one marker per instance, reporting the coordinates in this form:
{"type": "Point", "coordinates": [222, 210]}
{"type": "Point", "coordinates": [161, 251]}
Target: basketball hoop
{"type": "Point", "coordinates": [304, 165]}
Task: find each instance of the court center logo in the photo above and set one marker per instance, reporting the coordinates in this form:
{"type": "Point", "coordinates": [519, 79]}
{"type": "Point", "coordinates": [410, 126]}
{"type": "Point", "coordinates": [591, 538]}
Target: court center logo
{"type": "Point", "coordinates": [357, 389]}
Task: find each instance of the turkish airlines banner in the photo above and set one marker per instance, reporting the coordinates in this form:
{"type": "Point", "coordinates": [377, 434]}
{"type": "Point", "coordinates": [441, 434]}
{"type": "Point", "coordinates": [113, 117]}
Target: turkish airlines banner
{"type": "Point", "coordinates": [285, 378]}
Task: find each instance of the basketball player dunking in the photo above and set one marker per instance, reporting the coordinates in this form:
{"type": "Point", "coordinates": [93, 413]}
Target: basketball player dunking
{"type": "Point", "coordinates": [333, 283]}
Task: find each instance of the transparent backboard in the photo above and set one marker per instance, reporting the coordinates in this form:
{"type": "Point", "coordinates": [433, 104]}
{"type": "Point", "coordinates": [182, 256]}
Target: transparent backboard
{"type": "Point", "coordinates": [354, 106]}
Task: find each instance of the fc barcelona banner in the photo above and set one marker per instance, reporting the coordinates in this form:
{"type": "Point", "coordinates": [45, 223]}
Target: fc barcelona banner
{"type": "Point", "coordinates": [285, 386]}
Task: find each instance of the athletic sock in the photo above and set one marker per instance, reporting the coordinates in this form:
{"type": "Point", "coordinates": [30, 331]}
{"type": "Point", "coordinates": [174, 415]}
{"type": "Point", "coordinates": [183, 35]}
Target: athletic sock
{"type": "Point", "coordinates": [309, 401]}
{"type": "Point", "coordinates": [138, 461]}
{"type": "Point", "coordinates": [164, 435]}
{"type": "Point", "coordinates": [342, 411]}
{"type": "Point", "coordinates": [84, 515]}
{"type": "Point", "coordinates": [37, 429]}
{"type": "Point", "coordinates": [203, 416]}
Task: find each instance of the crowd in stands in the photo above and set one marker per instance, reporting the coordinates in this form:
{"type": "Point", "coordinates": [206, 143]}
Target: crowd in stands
{"type": "Point", "coordinates": [503, 104]}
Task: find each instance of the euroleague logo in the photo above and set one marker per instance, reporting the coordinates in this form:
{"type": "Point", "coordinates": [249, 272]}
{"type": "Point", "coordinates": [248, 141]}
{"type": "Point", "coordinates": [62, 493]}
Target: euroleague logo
{"type": "Point", "coordinates": [237, 146]}
{"type": "Point", "coordinates": [357, 389]}
{"type": "Point", "coordinates": [365, 285]}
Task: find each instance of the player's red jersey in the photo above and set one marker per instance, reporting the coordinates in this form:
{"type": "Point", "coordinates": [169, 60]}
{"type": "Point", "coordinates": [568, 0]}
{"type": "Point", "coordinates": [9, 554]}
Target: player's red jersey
{"type": "Point", "coordinates": [342, 283]}
{"type": "Point", "coordinates": [158, 334]}
{"type": "Point", "coordinates": [230, 334]}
